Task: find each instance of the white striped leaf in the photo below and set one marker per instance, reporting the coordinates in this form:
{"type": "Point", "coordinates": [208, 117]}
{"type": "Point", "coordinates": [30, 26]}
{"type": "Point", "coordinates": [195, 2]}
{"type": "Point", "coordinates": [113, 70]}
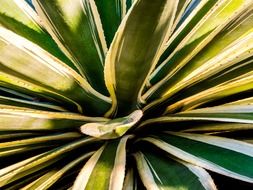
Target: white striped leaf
{"type": "Point", "coordinates": [222, 36]}
{"type": "Point", "coordinates": [20, 146]}
{"type": "Point", "coordinates": [18, 16]}
{"type": "Point", "coordinates": [75, 25]}
{"type": "Point", "coordinates": [36, 163]}
{"type": "Point", "coordinates": [218, 17]}
{"type": "Point", "coordinates": [158, 172]}
{"type": "Point", "coordinates": [231, 87]}
{"type": "Point", "coordinates": [33, 70]}
{"type": "Point", "coordinates": [18, 118]}
{"type": "Point", "coordinates": [4, 100]}
{"type": "Point", "coordinates": [111, 13]}
{"type": "Point", "coordinates": [107, 165]}
{"type": "Point", "coordinates": [225, 156]}
{"type": "Point", "coordinates": [205, 63]}
{"type": "Point", "coordinates": [112, 129]}
{"type": "Point", "coordinates": [130, 180]}
{"type": "Point", "coordinates": [135, 49]}
{"type": "Point", "coordinates": [51, 177]}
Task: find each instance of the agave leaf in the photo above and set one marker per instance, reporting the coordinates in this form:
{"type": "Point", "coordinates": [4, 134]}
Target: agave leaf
{"type": "Point", "coordinates": [36, 163]}
{"type": "Point", "coordinates": [25, 181]}
{"type": "Point", "coordinates": [22, 119]}
{"type": "Point", "coordinates": [240, 84]}
{"type": "Point", "coordinates": [135, 49]}
{"type": "Point", "coordinates": [48, 139]}
{"type": "Point", "coordinates": [158, 172]}
{"type": "Point", "coordinates": [7, 136]}
{"type": "Point", "coordinates": [216, 128]}
{"type": "Point", "coordinates": [111, 13]}
{"type": "Point", "coordinates": [191, 19]}
{"type": "Point", "coordinates": [233, 38]}
{"type": "Point", "coordinates": [107, 165]}
{"type": "Point", "coordinates": [234, 72]}
{"type": "Point", "coordinates": [112, 129]}
{"type": "Point", "coordinates": [130, 180]}
{"type": "Point", "coordinates": [226, 156]}
{"type": "Point", "coordinates": [209, 26]}
{"type": "Point", "coordinates": [186, 7]}
{"type": "Point", "coordinates": [51, 177]}
{"type": "Point", "coordinates": [22, 146]}
{"type": "Point", "coordinates": [182, 7]}
{"type": "Point", "coordinates": [229, 40]}
{"type": "Point", "coordinates": [46, 75]}
{"type": "Point", "coordinates": [129, 3]}
{"type": "Point", "coordinates": [223, 113]}
{"type": "Point", "coordinates": [29, 104]}
{"type": "Point", "coordinates": [15, 94]}
{"type": "Point", "coordinates": [20, 18]}
{"type": "Point", "coordinates": [76, 27]}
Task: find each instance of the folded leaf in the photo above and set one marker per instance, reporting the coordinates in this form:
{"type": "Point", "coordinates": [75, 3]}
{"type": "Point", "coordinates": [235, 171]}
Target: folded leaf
{"type": "Point", "coordinates": [114, 128]}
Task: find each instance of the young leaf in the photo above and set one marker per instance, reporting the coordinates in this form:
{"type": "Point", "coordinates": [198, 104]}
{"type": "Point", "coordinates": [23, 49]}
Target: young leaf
{"type": "Point", "coordinates": [135, 49]}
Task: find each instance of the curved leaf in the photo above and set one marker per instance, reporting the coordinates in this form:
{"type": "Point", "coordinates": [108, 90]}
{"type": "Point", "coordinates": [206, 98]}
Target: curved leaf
{"type": "Point", "coordinates": [107, 165]}
{"type": "Point", "coordinates": [135, 49]}
{"type": "Point", "coordinates": [77, 30]}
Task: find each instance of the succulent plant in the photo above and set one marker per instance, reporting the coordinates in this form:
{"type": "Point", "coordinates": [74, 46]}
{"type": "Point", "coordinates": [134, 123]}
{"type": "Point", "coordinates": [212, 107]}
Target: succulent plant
{"type": "Point", "coordinates": [125, 94]}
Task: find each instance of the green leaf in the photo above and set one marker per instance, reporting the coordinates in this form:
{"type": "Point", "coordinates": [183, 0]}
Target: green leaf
{"type": "Point", "coordinates": [51, 177]}
{"type": "Point", "coordinates": [216, 128]}
{"type": "Point", "coordinates": [221, 37]}
{"type": "Point", "coordinates": [231, 87]}
{"type": "Point", "coordinates": [46, 76]}
{"type": "Point", "coordinates": [19, 146]}
{"type": "Point", "coordinates": [182, 5]}
{"type": "Point", "coordinates": [225, 113]}
{"type": "Point", "coordinates": [36, 163]}
{"type": "Point", "coordinates": [29, 104]}
{"type": "Point", "coordinates": [20, 18]}
{"type": "Point", "coordinates": [134, 51]}
{"type": "Point", "coordinates": [12, 147]}
{"type": "Point", "coordinates": [78, 31]}
{"type": "Point", "coordinates": [225, 156]}
{"type": "Point", "coordinates": [234, 40]}
{"type": "Point", "coordinates": [209, 26]}
{"type": "Point", "coordinates": [23, 119]}
{"type": "Point", "coordinates": [111, 13]}
{"type": "Point", "coordinates": [114, 128]}
{"type": "Point", "coordinates": [178, 36]}
{"type": "Point", "coordinates": [158, 172]}
{"type": "Point", "coordinates": [107, 165]}
{"type": "Point", "coordinates": [11, 135]}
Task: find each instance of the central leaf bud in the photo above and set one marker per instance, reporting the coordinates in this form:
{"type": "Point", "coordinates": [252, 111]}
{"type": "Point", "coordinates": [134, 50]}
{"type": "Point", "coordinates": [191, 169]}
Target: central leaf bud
{"type": "Point", "coordinates": [114, 128]}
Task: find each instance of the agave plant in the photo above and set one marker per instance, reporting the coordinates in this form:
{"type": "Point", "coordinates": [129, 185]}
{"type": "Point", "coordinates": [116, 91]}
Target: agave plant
{"type": "Point", "coordinates": [125, 94]}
